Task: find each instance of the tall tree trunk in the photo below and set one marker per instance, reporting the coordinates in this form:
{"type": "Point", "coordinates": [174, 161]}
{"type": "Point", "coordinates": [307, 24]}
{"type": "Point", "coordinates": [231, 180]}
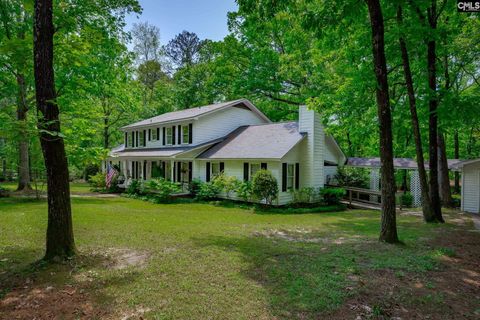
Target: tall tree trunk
{"type": "Point", "coordinates": [388, 231]}
{"type": "Point", "coordinates": [106, 133]}
{"type": "Point", "coordinates": [60, 242]}
{"type": "Point", "coordinates": [23, 154]}
{"type": "Point", "coordinates": [457, 156]}
{"type": "Point", "coordinates": [428, 214]}
{"type": "Point", "coordinates": [443, 177]}
{"type": "Point", "coordinates": [433, 117]}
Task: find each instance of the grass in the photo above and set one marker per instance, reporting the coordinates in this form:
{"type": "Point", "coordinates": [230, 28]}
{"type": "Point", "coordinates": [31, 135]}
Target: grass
{"type": "Point", "coordinates": [75, 187]}
{"type": "Point", "coordinates": [214, 262]}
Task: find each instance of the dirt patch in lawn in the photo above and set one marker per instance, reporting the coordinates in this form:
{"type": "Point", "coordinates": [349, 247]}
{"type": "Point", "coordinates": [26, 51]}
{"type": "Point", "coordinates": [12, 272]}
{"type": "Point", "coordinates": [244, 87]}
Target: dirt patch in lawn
{"type": "Point", "coordinates": [35, 302]}
{"type": "Point", "coordinates": [451, 291]}
{"type": "Point", "coordinates": [69, 290]}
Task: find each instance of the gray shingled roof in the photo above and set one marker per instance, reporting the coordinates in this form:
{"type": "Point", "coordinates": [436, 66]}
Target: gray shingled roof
{"type": "Point", "coordinates": [266, 141]}
{"type": "Point", "coordinates": [120, 151]}
{"type": "Point", "coordinates": [398, 163]}
{"type": "Point", "coordinates": [193, 113]}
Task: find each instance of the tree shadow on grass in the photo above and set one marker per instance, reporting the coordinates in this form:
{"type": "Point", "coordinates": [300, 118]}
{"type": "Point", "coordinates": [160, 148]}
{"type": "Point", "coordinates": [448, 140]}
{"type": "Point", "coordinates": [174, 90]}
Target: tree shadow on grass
{"type": "Point", "coordinates": [303, 280]}
{"type": "Point", "coordinates": [310, 273]}
{"type": "Point", "coordinates": [72, 289]}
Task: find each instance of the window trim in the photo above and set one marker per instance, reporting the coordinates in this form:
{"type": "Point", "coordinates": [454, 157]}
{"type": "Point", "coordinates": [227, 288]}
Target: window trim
{"type": "Point", "coordinates": [153, 133]}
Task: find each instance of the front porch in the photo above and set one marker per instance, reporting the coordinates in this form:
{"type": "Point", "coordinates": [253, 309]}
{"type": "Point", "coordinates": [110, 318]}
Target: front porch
{"type": "Point", "coordinates": [175, 170]}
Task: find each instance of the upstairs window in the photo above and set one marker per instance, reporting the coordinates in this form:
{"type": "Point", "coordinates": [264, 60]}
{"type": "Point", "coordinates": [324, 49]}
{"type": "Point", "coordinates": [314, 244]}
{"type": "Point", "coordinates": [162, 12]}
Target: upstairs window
{"type": "Point", "coordinates": [142, 139]}
{"type": "Point", "coordinates": [185, 134]}
{"type": "Point", "coordinates": [169, 135]}
{"type": "Point", "coordinates": [154, 134]}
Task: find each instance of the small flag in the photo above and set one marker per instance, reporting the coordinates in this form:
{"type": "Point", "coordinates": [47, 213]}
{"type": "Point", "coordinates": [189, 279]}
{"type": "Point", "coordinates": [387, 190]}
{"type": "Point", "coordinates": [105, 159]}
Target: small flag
{"type": "Point", "coordinates": [111, 172]}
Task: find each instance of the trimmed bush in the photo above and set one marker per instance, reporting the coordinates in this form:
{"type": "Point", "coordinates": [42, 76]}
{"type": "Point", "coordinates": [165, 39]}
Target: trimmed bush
{"type": "Point", "coordinates": [208, 191]}
{"type": "Point", "coordinates": [135, 188]}
{"type": "Point", "coordinates": [332, 196]}
{"type": "Point", "coordinates": [163, 189]}
{"type": "Point", "coordinates": [264, 186]}
{"type": "Point", "coordinates": [406, 199]}
{"type": "Point", "coordinates": [304, 195]}
{"type": "Point", "coordinates": [97, 182]}
{"type": "Point", "coordinates": [228, 184]}
{"type": "Point", "coordinates": [244, 190]}
{"type": "Point", "coordinates": [194, 186]}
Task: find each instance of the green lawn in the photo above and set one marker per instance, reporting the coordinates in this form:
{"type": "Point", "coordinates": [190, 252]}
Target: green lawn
{"type": "Point", "coordinates": [209, 262]}
{"type": "Point", "coordinates": [75, 187]}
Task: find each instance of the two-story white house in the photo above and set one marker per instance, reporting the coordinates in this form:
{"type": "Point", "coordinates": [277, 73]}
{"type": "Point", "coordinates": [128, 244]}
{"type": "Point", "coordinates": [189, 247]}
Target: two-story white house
{"type": "Point", "coordinates": [231, 137]}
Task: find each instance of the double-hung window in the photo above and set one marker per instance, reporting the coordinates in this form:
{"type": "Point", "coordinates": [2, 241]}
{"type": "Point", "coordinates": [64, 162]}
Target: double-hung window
{"type": "Point", "coordinates": [154, 134]}
{"type": "Point", "coordinates": [254, 167]}
{"type": "Point", "coordinates": [169, 135]}
{"type": "Point", "coordinates": [142, 139]}
{"type": "Point", "coordinates": [215, 169]}
{"type": "Point", "coordinates": [290, 176]}
{"type": "Point", "coordinates": [185, 134]}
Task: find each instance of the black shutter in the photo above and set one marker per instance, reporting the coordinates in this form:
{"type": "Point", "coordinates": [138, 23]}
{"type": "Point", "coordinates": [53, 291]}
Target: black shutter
{"type": "Point", "coordinates": [245, 171]}
{"type": "Point", "coordinates": [190, 171]}
{"type": "Point", "coordinates": [207, 172]}
{"type": "Point", "coordinates": [126, 140]}
{"type": "Point", "coordinates": [179, 171]}
{"type": "Point", "coordinates": [174, 172]}
{"type": "Point", "coordinates": [149, 134]}
{"type": "Point", "coordinates": [158, 133]}
{"type": "Point", "coordinates": [144, 138]}
{"type": "Point", "coordinates": [164, 136]}
{"type": "Point", "coordinates": [297, 175]}
{"type": "Point", "coordinates": [133, 139]}
{"type": "Point", "coordinates": [284, 177]}
{"type": "Point", "coordinates": [173, 135]}
{"type": "Point", "coordinates": [179, 134]}
{"type": "Point", "coordinates": [190, 133]}
{"type": "Point", "coordinates": [263, 166]}
{"type": "Point", "coordinates": [144, 170]}
{"type": "Point", "coordinates": [136, 138]}
{"type": "Point", "coordinates": [222, 166]}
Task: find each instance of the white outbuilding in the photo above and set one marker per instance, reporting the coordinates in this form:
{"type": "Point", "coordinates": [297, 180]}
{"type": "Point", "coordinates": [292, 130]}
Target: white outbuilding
{"type": "Point", "coordinates": [470, 185]}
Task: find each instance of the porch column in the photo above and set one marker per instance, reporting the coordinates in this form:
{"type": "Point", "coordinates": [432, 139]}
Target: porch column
{"type": "Point", "coordinates": [374, 183]}
{"type": "Point", "coordinates": [172, 171]}
{"type": "Point", "coordinates": [141, 170]}
{"type": "Point", "coordinates": [415, 189]}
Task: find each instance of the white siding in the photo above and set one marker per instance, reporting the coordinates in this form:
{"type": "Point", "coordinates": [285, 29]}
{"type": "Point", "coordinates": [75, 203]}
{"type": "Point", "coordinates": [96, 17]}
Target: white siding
{"type": "Point", "coordinates": [221, 123]}
{"type": "Point", "coordinates": [330, 172]}
{"type": "Point", "coordinates": [313, 151]}
{"type": "Point", "coordinates": [471, 188]}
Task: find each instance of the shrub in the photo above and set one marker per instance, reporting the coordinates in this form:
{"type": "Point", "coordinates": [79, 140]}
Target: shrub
{"type": "Point", "coordinates": [135, 187]}
{"type": "Point", "coordinates": [91, 170]}
{"type": "Point", "coordinates": [406, 199]}
{"type": "Point", "coordinates": [97, 182]}
{"type": "Point", "coordinates": [244, 190]}
{"type": "Point", "coordinates": [162, 188]}
{"type": "Point", "coordinates": [264, 186]}
{"type": "Point", "coordinates": [194, 186]}
{"type": "Point", "coordinates": [332, 196]}
{"type": "Point", "coordinates": [208, 191]}
{"type": "Point", "coordinates": [352, 177]}
{"type": "Point", "coordinates": [4, 192]}
{"type": "Point", "coordinates": [226, 183]}
{"type": "Point", "coordinates": [304, 195]}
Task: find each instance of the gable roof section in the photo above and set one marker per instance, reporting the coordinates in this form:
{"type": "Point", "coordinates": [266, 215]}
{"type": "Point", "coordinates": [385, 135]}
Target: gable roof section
{"type": "Point", "coordinates": [265, 141]}
{"type": "Point", "coordinates": [332, 143]}
{"type": "Point", "coordinates": [193, 113]}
